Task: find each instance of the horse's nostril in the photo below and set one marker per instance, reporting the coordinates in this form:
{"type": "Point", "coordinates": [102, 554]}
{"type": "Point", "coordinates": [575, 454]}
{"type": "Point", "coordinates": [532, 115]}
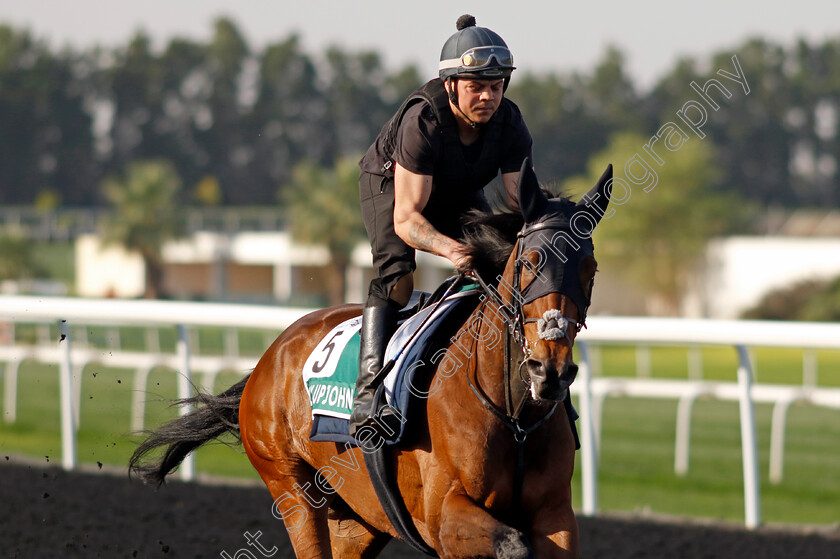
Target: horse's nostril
{"type": "Point", "coordinates": [536, 368]}
{"type": "Point", "coordinates": [569, 375]}
{"type": "Point", "coordinates": [541, 371]}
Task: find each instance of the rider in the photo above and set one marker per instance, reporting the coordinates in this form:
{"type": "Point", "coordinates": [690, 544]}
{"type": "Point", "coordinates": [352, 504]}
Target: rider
{"type": "Point", "coordinates": [425, 170]}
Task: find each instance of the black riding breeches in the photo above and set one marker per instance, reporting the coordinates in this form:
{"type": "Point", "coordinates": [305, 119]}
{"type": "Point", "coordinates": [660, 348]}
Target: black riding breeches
{"type": "Point", "coordinates": [392, 257]}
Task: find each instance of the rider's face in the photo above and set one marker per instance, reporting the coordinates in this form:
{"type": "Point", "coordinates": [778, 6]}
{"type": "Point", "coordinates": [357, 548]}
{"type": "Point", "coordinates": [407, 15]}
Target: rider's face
{"type": "Point", "coordinates": [479, 99]}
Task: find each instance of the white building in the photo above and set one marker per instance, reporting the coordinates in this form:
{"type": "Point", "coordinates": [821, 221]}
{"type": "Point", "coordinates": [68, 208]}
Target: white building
{"type": "Point", "coordinates": [741, 270]}
{"type": "Point", "coordinates": [267, 267]}
{"type": "Point", "coordinates": [261, 267]}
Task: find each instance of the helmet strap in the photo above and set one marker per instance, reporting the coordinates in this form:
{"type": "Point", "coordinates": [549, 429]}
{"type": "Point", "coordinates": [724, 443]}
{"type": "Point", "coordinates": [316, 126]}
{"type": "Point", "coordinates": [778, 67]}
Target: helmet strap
{"type": "Point", "coordinates": [453, 97]}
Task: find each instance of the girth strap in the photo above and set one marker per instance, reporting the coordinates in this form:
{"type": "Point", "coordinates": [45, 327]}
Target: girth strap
{"type": "Point", "coordinates": [381, 474]}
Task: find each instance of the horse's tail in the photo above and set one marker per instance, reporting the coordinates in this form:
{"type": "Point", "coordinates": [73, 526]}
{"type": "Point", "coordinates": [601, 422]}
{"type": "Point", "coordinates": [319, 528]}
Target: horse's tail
{"type": "Point", "coordinates": [215, 416]}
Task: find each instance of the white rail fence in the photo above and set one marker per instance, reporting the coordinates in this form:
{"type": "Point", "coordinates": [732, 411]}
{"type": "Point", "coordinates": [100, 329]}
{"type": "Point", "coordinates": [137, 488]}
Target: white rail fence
{"type": "Point", "coordinates": [643, 332]}
{"type": "Point", "coordinates": [739, 335]}
{"type": "Point", "coordinates": [108, 312]}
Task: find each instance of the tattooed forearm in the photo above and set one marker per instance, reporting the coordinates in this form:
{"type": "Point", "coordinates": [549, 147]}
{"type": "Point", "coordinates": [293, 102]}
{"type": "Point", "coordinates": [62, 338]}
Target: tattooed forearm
{"type": "Point", "coordinates": [419, 234]}
{"type": "Point", "coordinates": [423, 236]}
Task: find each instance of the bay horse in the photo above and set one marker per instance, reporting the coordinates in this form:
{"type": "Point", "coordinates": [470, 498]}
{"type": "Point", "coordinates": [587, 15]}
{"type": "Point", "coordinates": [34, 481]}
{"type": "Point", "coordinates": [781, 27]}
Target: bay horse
{"type": "Point", "coordinates": [487, 472]}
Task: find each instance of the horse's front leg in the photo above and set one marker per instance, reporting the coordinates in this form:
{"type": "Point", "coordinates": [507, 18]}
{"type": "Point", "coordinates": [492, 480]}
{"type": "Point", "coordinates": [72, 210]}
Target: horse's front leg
{"type": "Point", "coordinates": [467, 530]}
{"type": "Point", "coordinates": [554, 533]}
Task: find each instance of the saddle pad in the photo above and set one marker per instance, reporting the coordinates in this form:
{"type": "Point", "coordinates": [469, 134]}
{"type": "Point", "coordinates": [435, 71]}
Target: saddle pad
{"type": "Point", "coordinates": [330, 370]}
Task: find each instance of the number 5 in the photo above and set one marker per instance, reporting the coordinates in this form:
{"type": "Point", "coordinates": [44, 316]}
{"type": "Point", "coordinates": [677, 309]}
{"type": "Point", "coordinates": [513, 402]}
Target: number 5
{"type": "Point", "coordinates": [318, 367]}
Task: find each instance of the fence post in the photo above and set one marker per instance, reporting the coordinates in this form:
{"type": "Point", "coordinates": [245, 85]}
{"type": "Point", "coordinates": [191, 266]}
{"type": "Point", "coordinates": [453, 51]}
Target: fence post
{"type": "Point", "coordinates": [643, 361]}
{"type": "Point", "coordinates": [68, 416]}
{"type": "Point", "coordinates": [597, 411]}
{"type": "Point", "coordinates": [138, 399]}
{"type": "Point", "coordinates": [682, 445]}
{"type": "Point", "coordinates": [187, 469]}
{"type": "Point", "coordinates": [777, 439]}
{"type": "Point", "coordinates": [695, 363]}
{"type": "Point", "coordinates": [749, 447]}
{"type": "Point", "coordinates": [810, 367]}
{"type": "Point", "coordinates": [589, 455]}
{"type": "Point", "coordinates": [10, 388]}
{"type": "Point", "coordinates": [76, 375]}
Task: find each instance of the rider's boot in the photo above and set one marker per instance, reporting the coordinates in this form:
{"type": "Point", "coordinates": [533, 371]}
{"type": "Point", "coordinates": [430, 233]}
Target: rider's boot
{"type": "Point", "coordinates": [379, 322]}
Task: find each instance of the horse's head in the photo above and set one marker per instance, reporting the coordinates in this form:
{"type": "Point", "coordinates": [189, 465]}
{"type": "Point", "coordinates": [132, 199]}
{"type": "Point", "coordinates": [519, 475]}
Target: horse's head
{"type": "Point", "coordinates": [552, 269]}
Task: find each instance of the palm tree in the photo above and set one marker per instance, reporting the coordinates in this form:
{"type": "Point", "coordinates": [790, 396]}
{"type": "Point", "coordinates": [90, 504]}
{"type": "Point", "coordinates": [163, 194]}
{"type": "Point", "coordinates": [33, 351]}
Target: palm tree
{"type": "Point", "coordinates": [323, 206]}
{"type": "Point", "coordinates": [145, 218]}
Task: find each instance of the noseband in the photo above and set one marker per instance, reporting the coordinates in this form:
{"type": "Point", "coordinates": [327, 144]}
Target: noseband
{"type": "Point", "coordinates": [552, 326]}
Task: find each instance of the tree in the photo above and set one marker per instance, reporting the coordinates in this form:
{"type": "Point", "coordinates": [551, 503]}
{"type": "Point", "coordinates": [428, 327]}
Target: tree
{"type": "Point", "coordinates": [778, 142]}
{"type": "Point", "coordinates": [354, 93]}
{"type": "Point", "coordinates": [289, 118]}
{"type": "Point", "coordinates": [145, 204]}
{"type": "Point", "coordinates": [656, 230]}
{"type": "Point", "coordinates": [45, 138]}
{"type": "Point", "coordinates": [247, 117]}
{"type": "Point", "coordinates": [610, 93]}
{"type": "Point", "coordinates": [225, 141]}
{"type": "Point", "coordinates": [571, 116]}
{"type": "Point", "coordinates": [323, 206]}
{"type": "Point", "coordinates": [565, 133]}
{"type": "Point", "coordinates": [810, 300]}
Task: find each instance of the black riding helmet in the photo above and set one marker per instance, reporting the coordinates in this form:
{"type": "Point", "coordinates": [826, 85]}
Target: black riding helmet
{"type": "Point", "coordinates": [475, 53]}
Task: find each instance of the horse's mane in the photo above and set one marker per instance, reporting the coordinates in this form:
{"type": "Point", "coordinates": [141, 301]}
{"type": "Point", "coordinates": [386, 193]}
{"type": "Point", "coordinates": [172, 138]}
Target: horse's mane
{"type": "Point", "coordinates": [490, 238]}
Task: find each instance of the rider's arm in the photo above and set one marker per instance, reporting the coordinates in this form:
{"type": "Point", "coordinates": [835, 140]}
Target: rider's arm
{"type": "Point", "coordinates": [519, 147]}
{"type": "Point", "coordinates": [411, 194]}
{"type": "Point", "coordinates": [511, 184]}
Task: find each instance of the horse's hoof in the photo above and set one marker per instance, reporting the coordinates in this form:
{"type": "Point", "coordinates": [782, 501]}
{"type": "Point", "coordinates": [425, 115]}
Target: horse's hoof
{"type": "Point", "coordinates": [510, 543]}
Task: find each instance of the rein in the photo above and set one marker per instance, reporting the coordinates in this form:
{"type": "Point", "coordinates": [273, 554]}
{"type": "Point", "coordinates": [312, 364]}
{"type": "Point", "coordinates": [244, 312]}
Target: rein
{"type": "Point", "coordinates": [552, 326]}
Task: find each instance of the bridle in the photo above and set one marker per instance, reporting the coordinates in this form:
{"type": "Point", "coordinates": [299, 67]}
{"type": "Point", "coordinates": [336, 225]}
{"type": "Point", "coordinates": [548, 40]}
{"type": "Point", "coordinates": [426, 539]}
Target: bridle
{"type": "Point", "coordinates": [553, 325]}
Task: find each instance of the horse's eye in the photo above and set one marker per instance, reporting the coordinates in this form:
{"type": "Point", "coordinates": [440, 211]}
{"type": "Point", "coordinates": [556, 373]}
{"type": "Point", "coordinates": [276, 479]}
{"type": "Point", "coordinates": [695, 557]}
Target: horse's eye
{"type": "Point", "coordinates": [531, 266]}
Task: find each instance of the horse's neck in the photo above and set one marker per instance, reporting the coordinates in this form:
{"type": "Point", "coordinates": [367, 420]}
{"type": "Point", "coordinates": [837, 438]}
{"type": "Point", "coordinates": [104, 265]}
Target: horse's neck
{"type": "Point", "coordinates": [482, 340]}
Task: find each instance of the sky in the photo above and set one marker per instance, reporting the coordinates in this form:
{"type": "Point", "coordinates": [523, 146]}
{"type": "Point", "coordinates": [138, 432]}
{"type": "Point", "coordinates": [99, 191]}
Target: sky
{"type": "Point", "coordinates": [551, 35]}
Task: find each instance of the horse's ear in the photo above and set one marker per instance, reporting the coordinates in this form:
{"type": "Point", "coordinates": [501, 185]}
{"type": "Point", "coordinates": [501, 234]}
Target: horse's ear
{"type": "Point", "coordinates": [595, 201]}
{"type": "Point", "coordinates": [532, 201]}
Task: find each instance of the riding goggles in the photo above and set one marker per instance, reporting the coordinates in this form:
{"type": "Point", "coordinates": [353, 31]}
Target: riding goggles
{"type": "Point", "coordinates": [478, 58]}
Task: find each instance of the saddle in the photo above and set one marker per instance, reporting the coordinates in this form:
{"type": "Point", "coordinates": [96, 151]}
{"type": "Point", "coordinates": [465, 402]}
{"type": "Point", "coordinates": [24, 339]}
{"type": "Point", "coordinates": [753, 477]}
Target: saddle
{"type": "Point", "coordinates": [330, 370]}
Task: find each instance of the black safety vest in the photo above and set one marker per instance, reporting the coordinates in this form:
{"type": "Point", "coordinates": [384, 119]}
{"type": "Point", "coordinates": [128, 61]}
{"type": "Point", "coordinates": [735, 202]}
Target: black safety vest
{"type": "Point", "coordinates": [453, 176]}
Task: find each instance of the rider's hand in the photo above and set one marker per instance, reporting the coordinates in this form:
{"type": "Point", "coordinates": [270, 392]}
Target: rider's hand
{"type": "Point", "coordinates": [461, 260]}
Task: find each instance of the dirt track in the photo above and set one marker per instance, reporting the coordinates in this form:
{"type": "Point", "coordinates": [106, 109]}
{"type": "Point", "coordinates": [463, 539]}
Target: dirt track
{"type": "Point", "coordinates": [48, 513]}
